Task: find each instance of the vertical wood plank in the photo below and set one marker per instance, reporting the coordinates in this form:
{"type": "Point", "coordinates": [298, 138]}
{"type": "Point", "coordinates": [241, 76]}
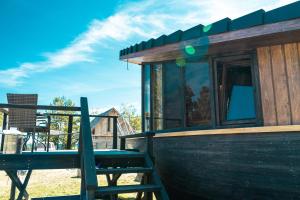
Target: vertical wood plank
{"type": "Point", "coordinates": [266, 86]}
{"type": "Point", "coordinates": [280, 85]}
{"type": "Point", "coordinates": [293, 77]}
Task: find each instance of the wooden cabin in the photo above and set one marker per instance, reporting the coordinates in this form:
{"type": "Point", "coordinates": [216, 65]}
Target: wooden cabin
{"type": "Point", "coordinates": [224, 103]}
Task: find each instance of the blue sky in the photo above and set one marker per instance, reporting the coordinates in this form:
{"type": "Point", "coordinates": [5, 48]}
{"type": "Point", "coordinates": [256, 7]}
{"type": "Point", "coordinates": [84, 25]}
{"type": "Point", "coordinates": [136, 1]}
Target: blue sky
{"type": "Point", "coordinates": [70, 48]}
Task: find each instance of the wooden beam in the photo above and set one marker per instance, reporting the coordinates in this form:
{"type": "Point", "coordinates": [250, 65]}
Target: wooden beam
{"type": "Point", "coordinates": [290, 29]}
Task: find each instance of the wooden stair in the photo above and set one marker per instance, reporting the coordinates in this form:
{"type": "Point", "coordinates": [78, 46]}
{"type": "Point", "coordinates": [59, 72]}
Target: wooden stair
{"type": "Point", "coordinates": [124, 170]}
{"type": "Point", "coordinates": [109, 190]}
{"type": "Point", "coordinates": [150, 184]}
{"type": "Point", "coordinates": [113, 164]}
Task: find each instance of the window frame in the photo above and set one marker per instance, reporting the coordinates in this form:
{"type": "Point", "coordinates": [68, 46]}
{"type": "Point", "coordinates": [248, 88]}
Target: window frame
{"type": "Point", "coordinates": [218, 113]}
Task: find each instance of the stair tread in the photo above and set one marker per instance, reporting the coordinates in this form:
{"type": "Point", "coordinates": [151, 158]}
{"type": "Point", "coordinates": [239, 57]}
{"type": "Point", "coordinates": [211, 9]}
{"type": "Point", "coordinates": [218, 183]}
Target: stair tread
{"type": "Point", "coordinates": [126, 189]}
{"type": "Point", "coordinates": [72, 197]}
{"type": "Point", "coordinates": [124, 170]}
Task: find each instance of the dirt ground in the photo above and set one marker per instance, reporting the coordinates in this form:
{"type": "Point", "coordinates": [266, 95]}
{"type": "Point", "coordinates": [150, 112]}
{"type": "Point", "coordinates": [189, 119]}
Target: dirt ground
{"type": "Point", "coordinates": [58, 183]}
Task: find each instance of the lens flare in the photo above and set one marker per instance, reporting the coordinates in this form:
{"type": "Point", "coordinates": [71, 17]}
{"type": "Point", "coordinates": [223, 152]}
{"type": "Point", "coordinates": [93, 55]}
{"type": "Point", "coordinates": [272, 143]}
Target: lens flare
{"type": "Point", "coordinates": [190, 50]}
{"type": "Point", "coordinates": [180, 62]}
{"type": "Point", "coordinates": [207, 28]}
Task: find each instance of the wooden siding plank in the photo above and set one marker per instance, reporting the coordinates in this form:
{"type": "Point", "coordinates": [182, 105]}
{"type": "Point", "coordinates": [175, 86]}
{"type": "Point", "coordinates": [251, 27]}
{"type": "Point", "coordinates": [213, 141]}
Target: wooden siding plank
{"type": "Point", "coordinates": [293, 77]}
{"type": "Point", "coordinates": [280, 85]}
{"type": "Point", "coordinates": [266, 86]}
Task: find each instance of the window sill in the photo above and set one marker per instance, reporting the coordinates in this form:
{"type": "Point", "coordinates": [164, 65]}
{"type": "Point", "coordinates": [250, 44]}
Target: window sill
{"type": "Point", "coordinates": [231, 131]}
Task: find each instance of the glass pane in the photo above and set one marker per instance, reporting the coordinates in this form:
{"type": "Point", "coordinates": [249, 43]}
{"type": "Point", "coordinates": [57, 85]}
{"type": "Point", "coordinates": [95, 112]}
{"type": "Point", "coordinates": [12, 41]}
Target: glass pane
{"type": "Point", "coordinates": [173, 96]}
{"type": "Point", "coordinates": [146, 96]}
{"type": "Point", "coordinates": [235, 90]}
{"type": "Point", "coordinates": [197, 96]}
{"type": "Point", "coordinates": [157, 97]}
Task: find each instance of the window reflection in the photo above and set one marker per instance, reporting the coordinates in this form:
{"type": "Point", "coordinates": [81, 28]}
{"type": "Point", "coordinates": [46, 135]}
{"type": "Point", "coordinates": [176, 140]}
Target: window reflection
{"type": "Point", "coordinates": [173, 96]}
{"type": "Point", "coordinates": [197, 95]}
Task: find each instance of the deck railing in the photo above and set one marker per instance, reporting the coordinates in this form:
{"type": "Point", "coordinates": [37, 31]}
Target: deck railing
{"type": "Point", "coordinates": [85, 150]}
{"type": "Point", "coordinates": [49, 116]}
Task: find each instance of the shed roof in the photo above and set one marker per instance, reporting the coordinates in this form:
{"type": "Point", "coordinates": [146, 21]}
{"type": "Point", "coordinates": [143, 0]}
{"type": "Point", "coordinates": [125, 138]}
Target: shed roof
{"type": "Point", "coordinates": [110, 112]}
{"type": "Point", "coordinates": [257, 18]}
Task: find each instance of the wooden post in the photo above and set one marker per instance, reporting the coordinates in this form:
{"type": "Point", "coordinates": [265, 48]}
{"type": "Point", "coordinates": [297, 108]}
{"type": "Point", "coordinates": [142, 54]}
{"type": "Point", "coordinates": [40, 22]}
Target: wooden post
{"type": "Point", "coordinates": [70, 129]}
{"type": "Point", "coordinates": [149, 141]}
{"type": "Point", "coordinates": [123, 144]}
{"type": "Point", "coordinates": [115, 133]}
{"type": "Point", "coordinates": [4, 125]}
{"type": "Point", "coordinates": [89, 181]}
{"type": "Point", "coordinates": [48, 134]}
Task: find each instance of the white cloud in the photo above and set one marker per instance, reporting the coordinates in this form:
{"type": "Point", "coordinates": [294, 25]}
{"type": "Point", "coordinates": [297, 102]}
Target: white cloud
{"type": "Point", "coordinates": [132, 21]}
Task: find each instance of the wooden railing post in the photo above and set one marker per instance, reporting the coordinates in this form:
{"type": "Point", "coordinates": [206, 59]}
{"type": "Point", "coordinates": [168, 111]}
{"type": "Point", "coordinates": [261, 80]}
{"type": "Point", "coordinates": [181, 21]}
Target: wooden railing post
{"type": "Point", "coordinates": [115, 133]}
{"type": "Point", "coordinates": [48, 134]}
{"type": "Point", "coordinates": [149, 143]}
{"type": "Point", "coordinates": [122, 143]}
{"type": "Point", "coordinates": [89, 181]}
{"type": "Point", "coordinates": [70, 130]}
{"type": "Point", "coordinates": [4, 126]}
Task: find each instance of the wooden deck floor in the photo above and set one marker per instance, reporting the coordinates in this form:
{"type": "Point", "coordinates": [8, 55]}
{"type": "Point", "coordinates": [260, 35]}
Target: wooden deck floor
{"type": "Point", "coordinates": [65, 159]}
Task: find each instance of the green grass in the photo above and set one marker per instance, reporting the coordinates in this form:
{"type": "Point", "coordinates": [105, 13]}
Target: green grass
{"type": "Point", "coordinates": [58, 183]}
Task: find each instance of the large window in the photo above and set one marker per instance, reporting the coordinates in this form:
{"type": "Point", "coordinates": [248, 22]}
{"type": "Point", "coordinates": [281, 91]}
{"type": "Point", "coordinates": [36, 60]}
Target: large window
{"type": "Point", "coordinates": [235, 91]}
{"type": "Point", "coordinates": [173, 96]}
{"type": "Point", "coordinates": [197, 94]}
{"type": "Point", "coordinates": [181, 96]}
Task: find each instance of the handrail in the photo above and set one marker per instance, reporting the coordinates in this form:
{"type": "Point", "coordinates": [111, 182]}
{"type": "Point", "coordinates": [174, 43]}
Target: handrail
{"type": "Point", "coordinates": [86, 152]}
{"type": "Point", "coordinates": [73, 115]}
{"type": "Point", "coordinates": [149, 141]}
{"type": "Point", "coordinates": [40, 107]}
{"type": "Point", "coordinates": [138, 135]}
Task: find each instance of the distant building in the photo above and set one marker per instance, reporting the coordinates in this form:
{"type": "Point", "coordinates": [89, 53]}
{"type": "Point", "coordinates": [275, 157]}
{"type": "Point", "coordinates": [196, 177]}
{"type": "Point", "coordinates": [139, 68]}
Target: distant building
{"type": "Point", "coordinates": [102, 129]}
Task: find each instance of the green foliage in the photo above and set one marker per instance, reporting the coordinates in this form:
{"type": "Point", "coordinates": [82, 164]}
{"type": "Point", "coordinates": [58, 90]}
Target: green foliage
{"type": "Point", "coordinates": [129, 112]}
{"type": "Point", "coordinates": [60, 123]}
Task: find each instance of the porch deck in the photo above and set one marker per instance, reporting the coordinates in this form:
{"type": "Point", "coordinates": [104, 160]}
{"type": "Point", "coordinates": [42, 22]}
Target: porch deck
{"type": "Point", "coordinates": [66, 159]}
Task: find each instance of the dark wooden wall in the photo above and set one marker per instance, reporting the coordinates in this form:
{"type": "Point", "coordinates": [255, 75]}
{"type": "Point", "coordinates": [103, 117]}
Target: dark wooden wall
{"type": "Point", "coordinates": [238, 166]}
{"type": "Point", "coordinates": [279, 70]}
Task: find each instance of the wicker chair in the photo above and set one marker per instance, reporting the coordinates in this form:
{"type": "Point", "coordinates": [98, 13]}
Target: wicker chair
{"type": "Point", "coordinates": [23, 119]}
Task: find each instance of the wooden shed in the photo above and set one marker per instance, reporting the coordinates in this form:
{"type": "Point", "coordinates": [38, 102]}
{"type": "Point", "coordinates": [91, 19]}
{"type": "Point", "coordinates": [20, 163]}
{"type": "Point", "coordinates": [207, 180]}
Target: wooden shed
{"type": "Point", "coordinates": [224, 103]}
{"type": "Point", "coordinates": [102, 129]}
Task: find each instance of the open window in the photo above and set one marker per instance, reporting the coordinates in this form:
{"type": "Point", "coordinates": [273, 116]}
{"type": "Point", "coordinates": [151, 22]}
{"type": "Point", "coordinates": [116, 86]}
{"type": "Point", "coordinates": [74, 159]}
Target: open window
{"type": "Point", "coordinates": [235, 88]}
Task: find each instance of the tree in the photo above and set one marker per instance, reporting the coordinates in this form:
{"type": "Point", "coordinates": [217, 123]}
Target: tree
{"type": "Point", "coordinates": [129, 112]}
{"type": "Point", "coordinates": [60, 123]}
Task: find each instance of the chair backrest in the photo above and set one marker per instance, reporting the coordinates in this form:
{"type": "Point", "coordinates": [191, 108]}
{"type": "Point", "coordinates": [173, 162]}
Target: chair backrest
{"type": "Point", "coordinates": [23, 119]}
